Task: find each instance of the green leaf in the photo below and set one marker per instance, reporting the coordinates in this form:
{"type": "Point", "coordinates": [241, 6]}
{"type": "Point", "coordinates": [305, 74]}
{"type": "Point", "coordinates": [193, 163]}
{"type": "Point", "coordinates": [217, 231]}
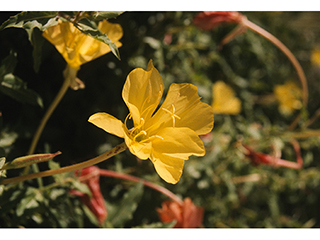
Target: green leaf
{"type": "Point", "coordinates": [92, 218]}
{"type": "Point", "coordinates": [60, 178]}
{"type": "Point", "coordinates": [101, 15]}
{"type": "Point", "coordinates": [90, 28]}
{"type": "Point", "coordinates": [16, 88]}
{"type": "Point", "coordinates": [37, 41]}
{"type": "Point", "coordinates": [30, 20]}
{"type": "Point", "coordinates": [53, 165]}
{"type": "Point", "coordinates": [82, 187]}
{"type": "Point", "coordinates": [2, 161]}
{"type": "Point", "coordinates": [118, 215]}
{"type": "Point", "coordinates": [2, 173]}
{"type": "Point", "coordinates": [158, 225]}
{"type": "Point", "coordinates": [8, 64]}
{"type": "Point", "coordinates": [29, 201]}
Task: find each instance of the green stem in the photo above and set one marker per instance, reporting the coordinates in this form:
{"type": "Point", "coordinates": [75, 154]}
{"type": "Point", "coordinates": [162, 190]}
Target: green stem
{"type": "Point", "coordinates": [49, 112]}
{"type": "Point", "coordinates": [116, 150]}
{"type": "Point", "coordinates": [108, 173]}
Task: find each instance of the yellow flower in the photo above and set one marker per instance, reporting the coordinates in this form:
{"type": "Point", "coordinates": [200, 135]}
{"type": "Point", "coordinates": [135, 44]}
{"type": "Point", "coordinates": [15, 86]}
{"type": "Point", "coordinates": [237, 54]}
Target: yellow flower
{"type": "Point", "coordinates": [224, 100]}
{"type": "Point", "coordinates": [288, 95]}
{"type": "Point", "coordinates": [168, 136]}
{"type": "Point", "coordinates": [78, 48]}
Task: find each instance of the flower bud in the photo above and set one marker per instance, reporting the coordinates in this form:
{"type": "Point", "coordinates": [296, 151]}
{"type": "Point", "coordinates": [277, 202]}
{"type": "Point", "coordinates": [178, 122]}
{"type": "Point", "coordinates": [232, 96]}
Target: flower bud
{"type": "Point", "coordinates": [28, 160]}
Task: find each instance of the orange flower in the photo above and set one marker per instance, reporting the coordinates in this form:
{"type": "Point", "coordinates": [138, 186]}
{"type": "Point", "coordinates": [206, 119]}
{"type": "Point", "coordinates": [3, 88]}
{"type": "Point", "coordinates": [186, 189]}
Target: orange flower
{"type": "Point", "coordinates": [187, 215]}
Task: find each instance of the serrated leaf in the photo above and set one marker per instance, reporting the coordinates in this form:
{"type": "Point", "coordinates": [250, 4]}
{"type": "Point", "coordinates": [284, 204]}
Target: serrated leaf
{"type": "Point", "coordinates": [90, 28]}
{"type": "Point", "coordinates": [16, 88]}
{"type": "Point", "coordinates": [123, 212]}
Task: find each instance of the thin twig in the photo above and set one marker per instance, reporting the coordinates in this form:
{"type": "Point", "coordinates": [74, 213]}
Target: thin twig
{"type": "Point", "coordinates": [49, 112]}
{"type": "Point", "coordinates": [292, 59]}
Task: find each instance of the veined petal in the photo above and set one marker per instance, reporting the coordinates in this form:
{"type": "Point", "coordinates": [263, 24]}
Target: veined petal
{"type": "Point", "coordinates": [142, 92]}
{"type": "Point", "coordinates": [177, 143]}
{"type": "Point", "coordinates": [183, 108]}
{"type": "Point", "coordinates": [108, 123]}
{"type": "Point", "coordinates": [168, 168]}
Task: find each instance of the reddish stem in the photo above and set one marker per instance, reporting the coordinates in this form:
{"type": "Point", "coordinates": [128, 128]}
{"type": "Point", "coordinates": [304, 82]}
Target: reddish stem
{"type": "Point", "coordinates": [108, 173]}
{"type": "Point", "coordinates": [286, 51]}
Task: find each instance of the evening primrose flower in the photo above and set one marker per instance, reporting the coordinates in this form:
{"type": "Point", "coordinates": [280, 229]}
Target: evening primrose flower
{"type": "Point", "coordinates": [224, 100]}
{"type": "Point", "coordinates": [288, 95]}
{"type": "Point", "coordinates": [167, 136]}
{"type": "Point", "coordinates": [78, 48]}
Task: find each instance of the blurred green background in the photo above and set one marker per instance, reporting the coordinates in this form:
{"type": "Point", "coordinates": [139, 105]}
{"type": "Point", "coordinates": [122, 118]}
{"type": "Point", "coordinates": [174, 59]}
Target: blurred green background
{"type": "Point", "coordinates": [251, 65]}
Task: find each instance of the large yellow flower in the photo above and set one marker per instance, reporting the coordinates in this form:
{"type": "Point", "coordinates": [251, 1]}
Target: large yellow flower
{"type": "Point", "coordinates": [289, 97]}
{"type": "Point", "coordinates": [168, 136]}
{"type": "Point", "coordinates": [78, 48]}
{"type": "Point", "coordinates": [224, 100]}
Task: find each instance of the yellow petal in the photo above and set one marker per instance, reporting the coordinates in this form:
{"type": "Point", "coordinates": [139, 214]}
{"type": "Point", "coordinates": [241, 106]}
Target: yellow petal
{"type": "Point", "coordinates": [141, 150]}
{"type": "Point", "coordinates": [168, 168]}
{"type": "Point", "coordinates": [112, 30]}
{"type": "Point", "coordinates": [108, 123]}
{"type": "Point", "coordinates": [142, 92]}
{"type": "Point", "coordinates": [78, 48]}
{"type": "Point", "coordinates": [224, 100]}
{"type": "Point", "coordinates": [184, 101]}
{"type": "Point", "coordinates": [288, 95]}
{"type": "Point", "coordinates": [177, 143]}
{"type": "Point", "coordinates": [315, 56]}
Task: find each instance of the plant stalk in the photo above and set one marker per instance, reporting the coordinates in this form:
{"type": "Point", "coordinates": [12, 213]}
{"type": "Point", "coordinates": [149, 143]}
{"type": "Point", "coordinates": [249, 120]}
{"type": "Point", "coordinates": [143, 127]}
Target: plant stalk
{"type": "Point", "coordinates": [49, 112]}
{"type": "Point", "coordinates": [291, 57]}
{"type": "Point", "coordinates": [108, 173]}
{"type": "Point", "coordinates": [116, 150]}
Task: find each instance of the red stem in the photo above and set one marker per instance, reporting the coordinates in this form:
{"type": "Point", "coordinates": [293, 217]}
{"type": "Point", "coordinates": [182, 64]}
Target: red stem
{"type": "Point", "coordinates": [286, 51]}
{"type": "Point", "coordinates": [108, 173]}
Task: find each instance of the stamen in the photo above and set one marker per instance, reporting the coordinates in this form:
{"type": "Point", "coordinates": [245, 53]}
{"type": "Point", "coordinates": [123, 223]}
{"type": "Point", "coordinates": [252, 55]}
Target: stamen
{"type": "Point", "coordinates": [139, 134]}
{"type": "Point", "coordinates": [149, 138]}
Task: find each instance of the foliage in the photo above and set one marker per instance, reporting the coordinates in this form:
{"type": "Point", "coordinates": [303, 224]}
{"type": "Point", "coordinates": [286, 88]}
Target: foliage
{"type": "Point", "coordinates": [232, 191]}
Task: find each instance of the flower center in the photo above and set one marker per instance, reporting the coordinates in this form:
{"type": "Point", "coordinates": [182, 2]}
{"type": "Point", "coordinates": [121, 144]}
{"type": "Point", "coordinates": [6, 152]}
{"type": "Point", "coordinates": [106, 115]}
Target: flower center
{"type": "Point", "coordinates": [137, 134]}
